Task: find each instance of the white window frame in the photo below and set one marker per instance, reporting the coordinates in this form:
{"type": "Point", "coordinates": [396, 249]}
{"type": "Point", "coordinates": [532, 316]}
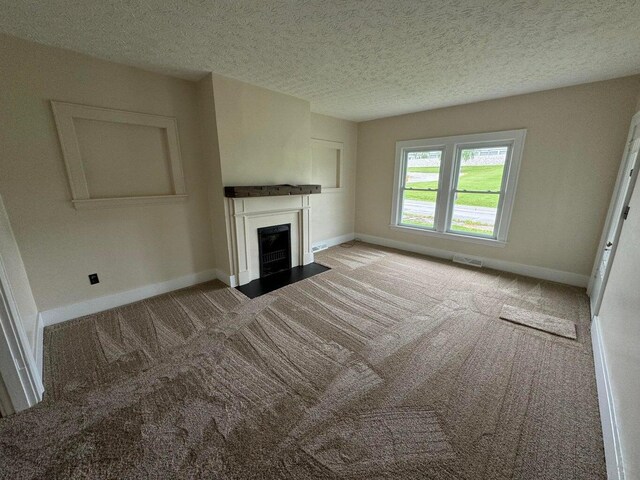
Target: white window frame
{"type": "Point", "coordinates": [449, 165]}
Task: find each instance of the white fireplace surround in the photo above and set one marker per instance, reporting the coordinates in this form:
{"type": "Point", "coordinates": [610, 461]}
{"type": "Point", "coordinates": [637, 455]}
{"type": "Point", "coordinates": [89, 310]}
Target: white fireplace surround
{"type": "Point", "coordinates": [248, 214]}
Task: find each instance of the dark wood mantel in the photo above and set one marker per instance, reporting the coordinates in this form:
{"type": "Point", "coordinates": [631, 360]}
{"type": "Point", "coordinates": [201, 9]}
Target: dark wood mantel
{"type": "Point", "coordinates": [270, 190]}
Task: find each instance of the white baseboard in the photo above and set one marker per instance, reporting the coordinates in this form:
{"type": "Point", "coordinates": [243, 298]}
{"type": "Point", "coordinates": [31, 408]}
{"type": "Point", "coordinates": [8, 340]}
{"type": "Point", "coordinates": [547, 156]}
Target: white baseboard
{"type": "Point", "coordinates": [94, 305]}
{"type": "Point", "coordinates": [521, 269]}
{"type": "Point", "coordinates": [612, 450]}
{"type": "Point", "coordinates": [38, 352]}
{"type": "Point", "coordinates": [224, 277]}
{"type": "Point", "coordinates": [332, 242]}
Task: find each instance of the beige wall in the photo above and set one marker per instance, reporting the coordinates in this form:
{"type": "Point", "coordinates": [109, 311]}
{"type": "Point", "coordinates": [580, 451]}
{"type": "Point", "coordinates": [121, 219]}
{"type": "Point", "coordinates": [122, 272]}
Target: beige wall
{"type": "Point", "coordinates": [211, 154]}
{"type": "Point", "coordinates": [575, 138]}
{"type": "Point", "coordinates": [620, 329]}
{"type": "Point", "coordinates": [263, 135]}
{"type": "Point", "coordinates": [262, 138]}
{"type": "Point", "coordinates": [128, 247]}
{"type": "Point", "coordinates": [17, 278]}
{"type": "Point", "coordinates": [235, 133]}
{"type": "Point", "coordinates": [333, 213]}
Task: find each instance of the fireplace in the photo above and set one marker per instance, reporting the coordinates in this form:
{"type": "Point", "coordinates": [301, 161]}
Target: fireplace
{"type": "Point", "coordinates": [248, 215]}
{"type": "Point", "coordinates": [274, 244]}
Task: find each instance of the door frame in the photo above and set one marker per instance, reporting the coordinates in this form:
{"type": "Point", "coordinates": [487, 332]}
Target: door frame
{"type": "Point", "coordinates": [17, 365]}
{"type": "Point", "coordinates": [622, 173]}
{"type": "Point", "coordinates": [6, 405]}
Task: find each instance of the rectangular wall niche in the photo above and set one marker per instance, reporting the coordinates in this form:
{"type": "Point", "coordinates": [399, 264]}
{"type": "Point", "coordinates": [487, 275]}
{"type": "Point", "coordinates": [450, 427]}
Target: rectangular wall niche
{"type": "Point", "coordinates": [116, 158]}
{"type": "Point", "coordinates": [326, 164]}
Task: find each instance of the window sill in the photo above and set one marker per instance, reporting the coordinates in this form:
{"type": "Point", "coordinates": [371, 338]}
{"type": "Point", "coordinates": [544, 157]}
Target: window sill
{"type": "Point", "coordinates": [450, 236]}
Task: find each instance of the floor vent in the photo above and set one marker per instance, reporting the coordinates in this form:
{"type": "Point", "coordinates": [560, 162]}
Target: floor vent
{"type": "Point", "coordinates": [317, 248]}
{"type": "Point", "coordinates": [474, 262]}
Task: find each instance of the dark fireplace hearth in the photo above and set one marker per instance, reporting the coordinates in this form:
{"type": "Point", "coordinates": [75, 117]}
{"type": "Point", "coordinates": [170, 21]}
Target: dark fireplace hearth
{"type": "Point", "coordinates": [274, 249]}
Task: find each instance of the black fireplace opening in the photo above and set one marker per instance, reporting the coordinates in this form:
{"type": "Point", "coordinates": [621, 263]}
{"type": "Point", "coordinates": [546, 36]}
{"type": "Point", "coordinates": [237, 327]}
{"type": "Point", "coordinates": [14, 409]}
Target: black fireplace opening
{"type": "Point", "coordinates": [274, 249]}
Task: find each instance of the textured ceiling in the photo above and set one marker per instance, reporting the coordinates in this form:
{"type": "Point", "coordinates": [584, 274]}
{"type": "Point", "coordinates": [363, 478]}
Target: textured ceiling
{"type": "Point", "coordinates": [354, 59]}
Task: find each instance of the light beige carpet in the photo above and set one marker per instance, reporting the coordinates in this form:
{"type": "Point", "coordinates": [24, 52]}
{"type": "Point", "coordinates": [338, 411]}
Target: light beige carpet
{"type": "Point", "coordinates": [539, 321]}
{"type": "Point", "coordinates": [389, 366]}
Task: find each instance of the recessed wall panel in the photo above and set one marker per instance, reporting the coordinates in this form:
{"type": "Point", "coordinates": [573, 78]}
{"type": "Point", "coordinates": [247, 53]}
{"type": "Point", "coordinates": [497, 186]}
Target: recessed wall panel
{"type": "Point", "coordinates": [124, 160]}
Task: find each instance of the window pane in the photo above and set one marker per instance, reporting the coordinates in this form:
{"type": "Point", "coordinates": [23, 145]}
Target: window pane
{"type": "Point", "coordinates": [482, 168]}
{"type": "Point", "coordinates": [475, 213]}
{"type": "Point", "coordinates": [418, 208]}
{"type": "Point", "coordinates": [423, 169]}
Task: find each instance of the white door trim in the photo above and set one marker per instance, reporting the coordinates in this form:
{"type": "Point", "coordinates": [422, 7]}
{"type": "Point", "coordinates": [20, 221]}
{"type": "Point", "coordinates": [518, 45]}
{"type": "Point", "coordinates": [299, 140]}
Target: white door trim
{"type": "Point", "coordinates": [634, 132]}
{"type": "Point", "coordinates": [6, 405]}
{"type": "Point", "coordinates": [17, 365]}
{"type": "Point", "coordinates": [610, 435]}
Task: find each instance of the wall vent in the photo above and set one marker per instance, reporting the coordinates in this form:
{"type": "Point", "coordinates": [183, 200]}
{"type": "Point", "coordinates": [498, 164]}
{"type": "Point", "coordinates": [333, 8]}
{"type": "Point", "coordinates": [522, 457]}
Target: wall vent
{"type": "Point", "coordinates": [474, 262]}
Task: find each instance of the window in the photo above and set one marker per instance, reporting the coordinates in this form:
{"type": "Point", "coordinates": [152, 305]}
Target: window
{"type": "Point", "coordinates": [459, 187]}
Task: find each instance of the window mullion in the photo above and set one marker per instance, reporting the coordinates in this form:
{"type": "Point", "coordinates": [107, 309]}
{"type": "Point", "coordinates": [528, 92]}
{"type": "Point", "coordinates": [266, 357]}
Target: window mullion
{"type": "Point", "coordinates": [500, 229]}
{"type": "Point", "coordinates": [443, 202]}
{"type": "Point", "coordinates": [455, 178]}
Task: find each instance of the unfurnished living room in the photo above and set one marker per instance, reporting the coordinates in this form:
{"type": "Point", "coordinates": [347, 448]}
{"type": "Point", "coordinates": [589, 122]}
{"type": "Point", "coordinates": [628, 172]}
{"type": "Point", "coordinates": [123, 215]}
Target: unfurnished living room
{"type": "Point", "coordinates": [319, 239]}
